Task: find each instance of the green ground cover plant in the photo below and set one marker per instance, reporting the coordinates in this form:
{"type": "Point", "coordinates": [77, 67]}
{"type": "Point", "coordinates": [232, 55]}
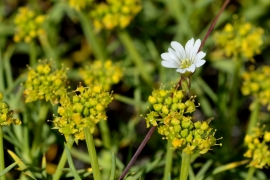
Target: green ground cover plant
{"type": "Point", "coordinates": [134, 89]}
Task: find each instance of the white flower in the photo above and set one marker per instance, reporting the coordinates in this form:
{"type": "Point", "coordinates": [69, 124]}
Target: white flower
{"type": "Point", "coordinates": [184, 60]}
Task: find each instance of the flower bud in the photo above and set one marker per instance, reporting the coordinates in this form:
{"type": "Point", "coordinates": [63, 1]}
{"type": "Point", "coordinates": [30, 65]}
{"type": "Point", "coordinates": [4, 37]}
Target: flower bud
{"type": "Point", "coordinates": [179, 95]}
{"type": "Point", "coordinates": [157, 107]}
{"type": "Point", "coordinates": [197, 124]}
{"type": "Point", "coordinates": [163, 93]}
{"type": "Point", "coordinates": [168, 101]}
{"type": "Point", "coordinates": [204, 126]}
{"type": "Point", "coordinates": [165, 110]}
{"type": "Point", "coordinates": [174, 107]}
{"type": "Point", "coordinates": [190, 106]}
{"type": "Point", "coordinates": [181, 106]}
{"type": "Point", "coordinates": [152, 99]}
{"type": "Point", "coordinates": [184, 133]}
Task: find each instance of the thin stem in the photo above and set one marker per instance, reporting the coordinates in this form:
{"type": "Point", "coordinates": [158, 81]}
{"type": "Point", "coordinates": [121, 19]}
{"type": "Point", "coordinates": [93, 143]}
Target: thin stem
{"type": "Point", "coordinates": [185, 166]}
{"type": "Point", "coordinates": [2, 157]}
{"type": "Point", "coordinates": [50, 52]}
{"type": "Point", "coordinates": [136, 57]}
{"type": "Point", "coordinates": [251, 171]}
{"type": "Point", "coordinates": [43, 111]}
{"type": "Point", "coordinates": [32, 54]}
{"type": "Point", "coordinates": [92, 153]}
{"type": "Point", "coordinates": [133, 159]}
{"type": "Point", "coordinates": [105, 133]}
{"type": "Point", "coordinates": [168, 162]}
{"type": "Point", "coordinates": [254, 116]}
{"type": "Point", "coordinates": [63, 160]}
{"type": "Point", "coordinates": [214, 23]}
{"type": "Point", "coordinates": [98, 50]}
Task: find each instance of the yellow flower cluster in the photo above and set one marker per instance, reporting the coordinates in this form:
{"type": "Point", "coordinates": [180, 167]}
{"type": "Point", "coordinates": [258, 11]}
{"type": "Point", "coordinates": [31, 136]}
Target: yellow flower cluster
{"type": "Point", "coordinates": [258, 148]}
{"type": "Point", "coordinates": [105, 74]}
{"type": "Point", "coordinates": [172, 115]}
{"type": "Point", "coordinates": [6, 114]}
{"type": "Point", "coordinates": [45, 83]}
{"type": "Point", "coordinates": [28, 25]}
{"type": "Point", "coordinates": [240, 39]}
{"type": "Point", "coordinates": [84, 110]}
{"type": "Point", "coordinates": [115, 14]}
{"type": "Point", "coordinates": [79, 4]}
{"type": "Point", "coordinates": [257, 84]}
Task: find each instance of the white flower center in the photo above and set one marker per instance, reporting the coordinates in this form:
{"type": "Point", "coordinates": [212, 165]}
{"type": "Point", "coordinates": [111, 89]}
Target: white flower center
{"type": "Point", "coordinates": [185, 63]}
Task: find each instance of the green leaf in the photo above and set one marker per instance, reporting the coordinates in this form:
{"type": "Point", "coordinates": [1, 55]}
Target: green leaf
{"type": "Point", "coordinates": [43, 165]}
{"type": "Point", "coordinates": [229, 166]}
{"type": "Point", "coordinates": [8, 168]}
{"type": "Point", "coordinates": [71, 165]}
{"type": "Point", "coordinates": [112, 167]}
{"type": "Point", "coordinates": [22, 166]}
{"type": "Point", "coordinates": [203, 170]}
{"type": "Point", "coordinates": [226, 65]}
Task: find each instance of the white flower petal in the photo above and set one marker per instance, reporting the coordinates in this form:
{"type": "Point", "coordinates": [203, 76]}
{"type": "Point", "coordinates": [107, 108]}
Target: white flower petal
{"type": "Point", "coordinates": [199, 56]}
{"type": "Point", "coordinates": [189, 46]}
{"type": "Point", "coordinates": [179, 49]}
{"type": "Point", "coordinates": [195, 49]}
{"type": "Point", "coordinates": [182, 71]}
{"type": "Point", "coordinates": [189, 57]}
{"type": "Point", "coordinates": [191, 68]}
{"type": "Point", "coordinates": [169, 64]}
{"type": "Point", "coordinates": [199, 63]}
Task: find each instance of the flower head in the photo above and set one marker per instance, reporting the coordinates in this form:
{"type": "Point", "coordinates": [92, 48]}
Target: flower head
{"type": "Point", "coordinates": [185, 60]}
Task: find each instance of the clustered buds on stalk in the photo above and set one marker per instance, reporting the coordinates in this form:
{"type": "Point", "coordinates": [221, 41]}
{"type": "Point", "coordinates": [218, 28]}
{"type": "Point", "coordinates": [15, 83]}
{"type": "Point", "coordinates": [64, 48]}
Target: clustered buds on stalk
{"type": "Point", "coordinates": [28, 25]}
{"type": "Point", "coordinates": [105, 74]}
{"type": "Point", "coordinates": [172, 115]}
{"type": "Point", "coordinates": [114, 14]}
{"type": "Point", "coordinates": [6, 114]}
{"type": "Point", "coordinates": [258, 149]}
{"type": "Point", "coordinates": [257, 84]}
{"type": "Point", "coordinates": [240, 39]}
{"type": "Point", "coordinates": [45, 83]}
{"type": "Point", "coordinates": [84, 109]}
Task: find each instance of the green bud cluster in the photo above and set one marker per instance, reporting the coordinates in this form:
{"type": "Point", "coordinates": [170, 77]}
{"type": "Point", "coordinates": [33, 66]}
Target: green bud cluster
{"type": "Point", "coordinates": [45, 83]}
{"type": "Point", "coordinates": [28, 25]}
{"type": "Point", "coordinates": [258, 149]}
{"type": "Point", "coordinates": [84, 109]}
{"type": "Point", "coordinates": [172, 114]}
{"type": "Point", "coordinates": [257, 84]}
{"type": "Point", "coordinates": [6, 114]}
{"type": "Point", "coordinates": [104, 74]}
{"type": "Point", "coordinates": [115, 13]}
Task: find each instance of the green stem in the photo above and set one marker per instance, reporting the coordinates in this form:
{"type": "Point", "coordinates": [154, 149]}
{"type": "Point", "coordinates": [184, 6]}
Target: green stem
{"type": "Point", "coordinates": [169, 158]}
{"type": "Point", "coordinates": [7, 67]}
{"type": "Point", "coordinates": [2, 157]}
{"type": "Point", "coordinates": [92, 153]}
{"type": "Point", "coordinates": [98, 50]}
{"type": "Point", "coordinates": [32, 54]}
{"type": "Point", "coordinates": [43, 111]}
{"type": "Point", "coordinates": [46, 46]}
{"type": "Point", "coordinates": [63, 160]}
{"type": "Point", "coordinates": [26, 150]}
{"type": "Point", "coordinates": [105, 133]}
{"type": "Point", "coordinates": [254, 116]}
{"type": "Point", "coordinates": [2, 85]}
{"type": "Point", "coordinates": [251, 171]}
{"type": "Point", "coordinates": [136, 57]}
{"type": "Point", "coordinates": [185, 166]}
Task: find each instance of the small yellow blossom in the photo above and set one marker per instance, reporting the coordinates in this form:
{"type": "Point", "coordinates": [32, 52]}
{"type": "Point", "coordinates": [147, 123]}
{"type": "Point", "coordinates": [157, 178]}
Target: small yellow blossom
{"type": "Point", "coordinates": [6, 115]}
{"type": "Point", "coordinates": [28, 25]}
{"type": "Point", "coordinates": [257, 84]}
{"type": "Point", "coordinates": [172, 116]}
{"type": "Point", "coordinates": [105, 74]}
{"type": "Point", "coordinates": [240, 39]}
{"type": "Point", "coordinates": [258, 150]}
{"type": "Point", "coordinates": [114, 14]}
